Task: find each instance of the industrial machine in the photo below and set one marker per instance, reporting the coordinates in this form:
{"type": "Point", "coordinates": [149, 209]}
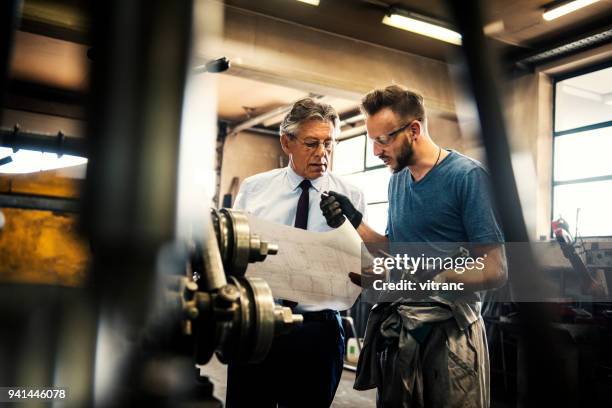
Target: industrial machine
{"type": "Point", "coordinates": [220, 308]}
{"type": "Point", "coordinates": [158, 300]}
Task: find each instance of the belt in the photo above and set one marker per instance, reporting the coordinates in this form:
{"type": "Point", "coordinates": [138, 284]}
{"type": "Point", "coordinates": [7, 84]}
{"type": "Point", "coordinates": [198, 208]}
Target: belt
{"type": "Point", "coordinates": [319, 316]}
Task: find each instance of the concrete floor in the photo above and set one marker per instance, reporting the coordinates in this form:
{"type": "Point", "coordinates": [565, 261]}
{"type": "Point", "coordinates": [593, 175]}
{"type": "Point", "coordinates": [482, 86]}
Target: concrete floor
{"type": "Point", "coordinates": [346, 396]}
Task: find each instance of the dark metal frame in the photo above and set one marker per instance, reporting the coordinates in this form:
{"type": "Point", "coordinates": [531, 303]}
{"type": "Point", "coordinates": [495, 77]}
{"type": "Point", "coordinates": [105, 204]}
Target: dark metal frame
{"type": "Point", "coordinates": [59, 143]}
{"type": "Point", "coordinates": [9, 18]}
{"type": "Point", "coordinates": [32, 202]}
{"type": "Point", "coordinates": [544, 379]}
{"type": "Point", "coordinates": [47, 100]}
{"type": "Point", "coordinates": [365, 154]}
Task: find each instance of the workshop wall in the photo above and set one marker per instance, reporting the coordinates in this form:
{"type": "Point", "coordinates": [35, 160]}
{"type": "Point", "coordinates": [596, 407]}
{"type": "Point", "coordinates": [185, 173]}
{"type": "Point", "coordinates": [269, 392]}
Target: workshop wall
{"type": "Point", "coordinates": [246, 154]}
{"type": "Point", "coordinates": [300, 57]}
{"type": "Point", "coordinates": [447, 134]}
{"type": "Point", "coordinates": [529, 123]}
{"type": "Point", "coordinates": [41, 246]}
{"type": "Point", "coordinates": [51, 183]}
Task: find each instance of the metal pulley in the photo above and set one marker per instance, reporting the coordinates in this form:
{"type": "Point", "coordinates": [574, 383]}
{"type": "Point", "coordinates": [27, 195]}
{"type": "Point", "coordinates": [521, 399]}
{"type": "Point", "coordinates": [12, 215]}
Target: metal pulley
{"type": "Point", "coordinates": [226, 312]}
{"type": "Point", "coordinates": [237, 245]}
{"type": "Point", "coordinates": [258, 320]}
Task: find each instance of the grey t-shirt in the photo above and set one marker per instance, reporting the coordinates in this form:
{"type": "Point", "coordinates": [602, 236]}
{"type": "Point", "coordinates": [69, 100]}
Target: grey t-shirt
{"type": "Point", "coordinates": [451, 204]}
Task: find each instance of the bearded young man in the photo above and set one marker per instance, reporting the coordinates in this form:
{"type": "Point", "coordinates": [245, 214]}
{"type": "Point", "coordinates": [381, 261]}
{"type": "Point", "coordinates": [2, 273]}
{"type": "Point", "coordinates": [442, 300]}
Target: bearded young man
{"type": "Point", "coordinates": [431, 352]}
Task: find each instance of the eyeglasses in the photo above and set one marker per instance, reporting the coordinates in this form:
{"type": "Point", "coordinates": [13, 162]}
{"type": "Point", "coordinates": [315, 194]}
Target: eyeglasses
{"type": "Point", "coordinates": [387, 138]}
{"type": "Point", "coordinates": [313, 144]}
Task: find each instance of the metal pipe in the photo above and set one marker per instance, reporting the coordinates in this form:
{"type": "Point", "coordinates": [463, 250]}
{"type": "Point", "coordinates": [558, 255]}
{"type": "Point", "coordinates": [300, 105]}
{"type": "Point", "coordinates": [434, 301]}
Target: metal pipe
{"type": "Point", "coordinates": [213, 272]}
{"type": "Point", "coordinates": [265, 116]}
{"type": "Point", "coordinates": [214, 66]}
{"type": "Point", "coordinates": [58, 143]}
{"type": "Point", "coordinates": [39, 203]}
{"type": "Point", "coordinates": [352, 132]}
{"type": "Point", "coordinates": [353, 119]}
{"type": "Point", "coordinates": [263, 131]}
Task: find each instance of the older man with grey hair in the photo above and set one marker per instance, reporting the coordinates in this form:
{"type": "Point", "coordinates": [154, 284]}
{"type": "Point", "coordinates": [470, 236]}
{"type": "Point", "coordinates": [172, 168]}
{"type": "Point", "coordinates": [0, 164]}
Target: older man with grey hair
{"type": "Point", "coordinates": [304, 366]}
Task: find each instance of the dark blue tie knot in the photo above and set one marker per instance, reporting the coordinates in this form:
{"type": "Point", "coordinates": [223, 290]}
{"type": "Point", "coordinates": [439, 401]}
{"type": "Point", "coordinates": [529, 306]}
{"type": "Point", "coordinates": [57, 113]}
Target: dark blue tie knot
{"type": "Point", "coordinates": [305, 184]}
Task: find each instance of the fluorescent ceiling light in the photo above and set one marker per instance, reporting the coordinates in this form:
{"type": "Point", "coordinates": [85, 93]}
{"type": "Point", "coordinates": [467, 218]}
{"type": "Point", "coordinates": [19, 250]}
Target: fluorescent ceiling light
{"type": "Point", "coordinates": [30, 161]}
{"type": "Point", "coordinates": [416, 24]}
{"type": "Point", "coordinates": [311, 2]}
{"type": "Point", "coordinates": [566, 8]}
{"type": "Point", "coordinates": [607, 99]}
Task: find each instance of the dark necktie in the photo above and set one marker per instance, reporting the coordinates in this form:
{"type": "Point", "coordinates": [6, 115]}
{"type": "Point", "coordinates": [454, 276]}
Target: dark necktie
{"type": "Point", "coordinates": [301, 221]}
{"type": "Point", "coordinates": [301, 216]}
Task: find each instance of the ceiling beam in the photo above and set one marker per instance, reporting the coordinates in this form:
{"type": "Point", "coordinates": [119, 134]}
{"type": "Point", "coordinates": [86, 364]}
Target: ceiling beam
{"type": "Point", "coordinates": [66, 21]}
{"type": "Point", "coordinates": [264, 48]}
{"type": "Point", "coordinates": [568, 47]}
{"type": "Point", "coordinates": [254, 121]}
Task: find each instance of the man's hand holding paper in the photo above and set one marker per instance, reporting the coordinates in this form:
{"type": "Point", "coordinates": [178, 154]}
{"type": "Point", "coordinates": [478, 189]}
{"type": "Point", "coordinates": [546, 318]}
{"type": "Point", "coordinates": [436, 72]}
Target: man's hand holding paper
{"type": "Point", "coordinates": [310, 267]}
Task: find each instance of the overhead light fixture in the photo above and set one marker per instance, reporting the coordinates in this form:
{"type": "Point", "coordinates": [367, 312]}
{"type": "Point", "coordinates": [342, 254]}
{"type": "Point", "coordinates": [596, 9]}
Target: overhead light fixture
{"type": "Point", "coordinates": [311, 2]}
{"type": "Point", "coordinates": [557, 10]}
{"type": "Point", "coordinates": [423, 25]}
{"type": "Point", "coordinates": [30, 161]}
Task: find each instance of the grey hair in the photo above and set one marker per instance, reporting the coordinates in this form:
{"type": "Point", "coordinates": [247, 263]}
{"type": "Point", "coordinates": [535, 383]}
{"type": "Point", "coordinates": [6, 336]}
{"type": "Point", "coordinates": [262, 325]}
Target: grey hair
{"type": "Point", "coordinates": [308, 109]}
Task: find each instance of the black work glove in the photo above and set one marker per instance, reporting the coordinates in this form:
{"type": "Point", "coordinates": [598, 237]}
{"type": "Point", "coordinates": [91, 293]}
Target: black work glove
{"type": "Point", "coordinates": [335, 205]}
{"type": "Point", "coordinates": [366, 278]}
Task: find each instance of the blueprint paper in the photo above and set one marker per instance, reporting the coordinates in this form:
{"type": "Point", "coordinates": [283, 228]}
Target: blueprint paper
{"type": "Point", "coordinates": [310, 268]}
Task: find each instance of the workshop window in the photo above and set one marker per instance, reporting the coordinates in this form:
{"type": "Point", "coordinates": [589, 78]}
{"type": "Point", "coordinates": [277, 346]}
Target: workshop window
{"type": "Point", "coordinates": [582, 142]}
{"type": "Point", "coordinates": [354, 161]}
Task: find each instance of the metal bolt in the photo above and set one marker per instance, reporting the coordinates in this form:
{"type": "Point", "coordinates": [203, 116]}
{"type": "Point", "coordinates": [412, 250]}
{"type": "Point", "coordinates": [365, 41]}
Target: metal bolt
{"type": "Point", "coordinates": [229, 293]}
{"type": "Point", "coordinates": [191, 285]}
{"type": "Point", "coordinates": [192, 312]}
{"type": "Point", "coordinates": [272, 249]}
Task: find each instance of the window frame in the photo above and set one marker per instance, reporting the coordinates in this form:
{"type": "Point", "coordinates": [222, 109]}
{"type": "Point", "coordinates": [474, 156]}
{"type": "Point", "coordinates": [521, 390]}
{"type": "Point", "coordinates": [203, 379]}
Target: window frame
{"type": "Point", "coordinates": [606, 124]}
{"type": "Point", "coordinates": [366, 168]}
{"type": "Point", "coordinates": [365, 154]}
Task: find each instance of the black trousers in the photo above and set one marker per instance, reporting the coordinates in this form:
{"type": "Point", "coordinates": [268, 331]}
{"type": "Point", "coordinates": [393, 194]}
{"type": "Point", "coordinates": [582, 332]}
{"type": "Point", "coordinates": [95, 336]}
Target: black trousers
{"type": "Point", "coordinates": [303, 369]}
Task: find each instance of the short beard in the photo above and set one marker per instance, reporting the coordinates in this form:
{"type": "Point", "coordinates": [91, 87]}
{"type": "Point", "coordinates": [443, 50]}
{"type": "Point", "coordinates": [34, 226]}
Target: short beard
{"type": "Point", "coordinates": [405, 157]}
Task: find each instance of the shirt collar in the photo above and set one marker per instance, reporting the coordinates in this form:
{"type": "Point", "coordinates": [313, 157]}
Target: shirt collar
{"type": "Point", "coordinates": [295, 179]}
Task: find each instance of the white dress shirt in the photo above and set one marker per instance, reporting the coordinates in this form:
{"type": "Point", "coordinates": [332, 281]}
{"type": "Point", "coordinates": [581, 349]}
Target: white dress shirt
{"type": "Point", "coordinates": [273, 196]}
